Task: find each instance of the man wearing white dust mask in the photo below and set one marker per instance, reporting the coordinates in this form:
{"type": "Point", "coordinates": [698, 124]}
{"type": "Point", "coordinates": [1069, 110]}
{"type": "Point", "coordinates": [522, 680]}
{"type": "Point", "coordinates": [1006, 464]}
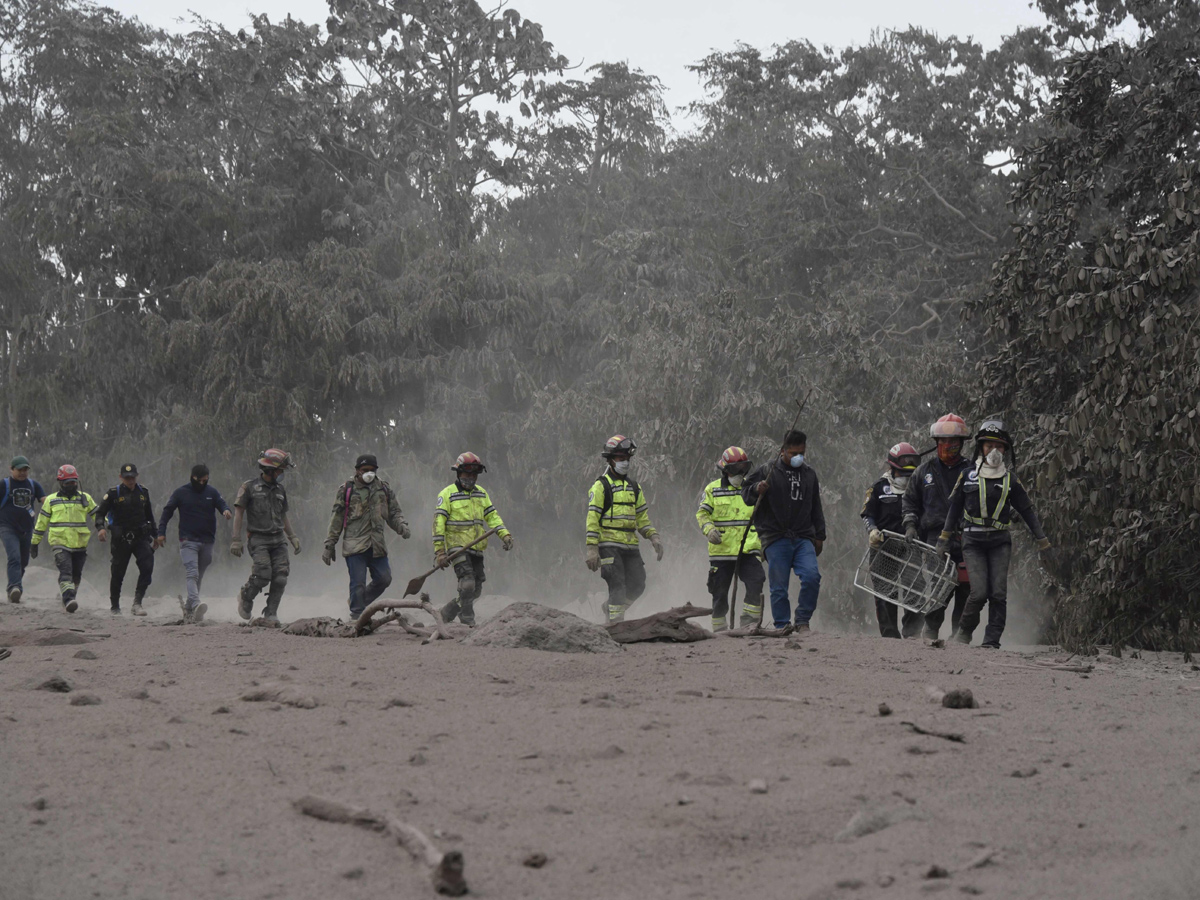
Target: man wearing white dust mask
{"type": "Point", "coordinates": [983, 503]}
{"type": "Point", "coordinates": [617, 514]}
{"type": "Point", "coordinates": [882, 512]}
{"type": "Point", "coordinates": [724, 518]}
{"type": "Point", "coordinates": [361, 509]}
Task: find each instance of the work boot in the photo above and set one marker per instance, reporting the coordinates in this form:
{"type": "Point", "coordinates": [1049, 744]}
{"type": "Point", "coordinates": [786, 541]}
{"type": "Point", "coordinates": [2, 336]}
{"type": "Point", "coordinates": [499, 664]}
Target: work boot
{"type": "Point", "coordinates": [801, 628]}
{"type": "Point", "coordinates": [450, 611]}
{"type": "Point", "coordinates": [114, 611]}
{"type": "Point", "coordinates": [245, 606]}
{"type": "Point", "coordinates": [137, 609]}
{"type": "Point", "coordinates": [962, 637]}
{"type": "Point", "coordinates": [718, 624]}
{"type": "Point", "coordinates": [271, 620]}
{"type": "Point", "coordinates": [990, 645]}
{"type": "Point", "coordinates": [198, 613]}
{"type": "Point", "coordinates": [929, 634]}
{"type": "Point", "coordinates": [69, 603]}
{"type": "Point", "coordinates": [14, 595]}
{"type": "Point", "coordinates": [467, 612]}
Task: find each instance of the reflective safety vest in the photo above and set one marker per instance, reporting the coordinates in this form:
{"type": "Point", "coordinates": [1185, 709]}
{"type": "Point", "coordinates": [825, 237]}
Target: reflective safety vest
{"type": "Point", "coordinates": [722, 507]}
{"type": "Point", "coordinates": [462, 516]}
{"type": "Point", "coordinates": [617, 512]}
{"type": "Point", "coordinates": [975, 509]}
{"type": "Point", "coordinates": [63, 521]}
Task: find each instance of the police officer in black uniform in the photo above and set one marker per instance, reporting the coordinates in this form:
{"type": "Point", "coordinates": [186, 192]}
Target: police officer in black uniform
{"type": "Point", "coordinates": [882, 512]}
{"type": "Point", "coordinates": [133, 529]}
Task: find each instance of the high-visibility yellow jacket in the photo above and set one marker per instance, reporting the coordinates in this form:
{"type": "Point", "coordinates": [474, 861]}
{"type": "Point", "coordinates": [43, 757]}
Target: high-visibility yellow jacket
{"type": "Point", "coordinates": [722, 507]}
{"type": "Point", "coordinates": [63, 521]}
{"type": "Point", "coordinates": [620, 519]}
{"type": "Point", "coordinates": [462, 516]}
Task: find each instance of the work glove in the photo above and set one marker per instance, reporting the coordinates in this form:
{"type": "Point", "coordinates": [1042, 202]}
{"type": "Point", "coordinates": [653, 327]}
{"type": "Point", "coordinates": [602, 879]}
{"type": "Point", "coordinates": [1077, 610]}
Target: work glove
{"type": "Point", "coordinates": [440, 559]}
{"type": "Point", "coordinates": [714, 535]}
{"type": "Point", "coordinates": [1043, 544]}
{"type": "Point", "coordinates": [593, 557]}
{"type": "Point", "coordinates": [329, 555]}
{"type": "Point", "coordinates": [404, 532]}
{"type": "Point", "coordinates": [942, 547]}
{"type": "Point", "coordinates": [910, 533]}
{"type": "Point", "coordinates": [656, 543]}
{"type": "Point", "coordinates": [235, 547]}
{"type": "Point", "coordinates": [33, 549]}
{"type": "Point", "coordinates": [295, 544]}
{"type": "Point", "coordinates": [875, 538]}
{"type": "Point", "coordinates": [507, 541]}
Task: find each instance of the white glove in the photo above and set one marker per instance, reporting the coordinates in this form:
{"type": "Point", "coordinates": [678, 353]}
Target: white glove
{"type": "Point", "coordinates": [875, 538]}
{"type": "Point", "coordinates": [714, 535]}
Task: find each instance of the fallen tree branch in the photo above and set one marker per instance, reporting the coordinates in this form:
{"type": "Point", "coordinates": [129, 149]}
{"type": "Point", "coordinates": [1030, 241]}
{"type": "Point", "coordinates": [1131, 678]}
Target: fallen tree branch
{"type": "Point", "coordinates": [944, 735]}
{"type": "Point", "coordinates": [1040, 667]}
{"type": "Point", "coordinates": [363, 625]}
{"type": "Point", "coordinates": [671, 625]}
{"type": "Point", "coordinates": [757, 630]}
{"type": "Point", "coordinates": [446, 869]}
{"type": "Point", "coordinates": [772, 698]}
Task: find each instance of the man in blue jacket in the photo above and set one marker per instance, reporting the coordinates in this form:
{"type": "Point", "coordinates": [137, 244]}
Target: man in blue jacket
{"type": "Point", "coordinates": [19, 496]}
{"type": "Point", "coordinates": [791, 526]}
{"type": "Point", "coordinates": [198, 503]}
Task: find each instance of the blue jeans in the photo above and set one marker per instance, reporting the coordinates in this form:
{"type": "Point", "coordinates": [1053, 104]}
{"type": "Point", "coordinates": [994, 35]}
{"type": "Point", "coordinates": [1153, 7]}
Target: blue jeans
{"type": "Point", "coordinates": [16, 546]}
{"type": "Point", "coordinates": [362, 596]}
{"type": "Point", "coordinates": [785, 556]}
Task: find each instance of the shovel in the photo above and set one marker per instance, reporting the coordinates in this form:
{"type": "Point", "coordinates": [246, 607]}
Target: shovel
{"type": "Point", "coordinates": [417, 583]}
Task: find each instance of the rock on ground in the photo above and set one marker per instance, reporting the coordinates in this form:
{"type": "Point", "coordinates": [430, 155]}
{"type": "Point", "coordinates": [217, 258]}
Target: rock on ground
{"type": "Point", "coordinates": [542, 628]}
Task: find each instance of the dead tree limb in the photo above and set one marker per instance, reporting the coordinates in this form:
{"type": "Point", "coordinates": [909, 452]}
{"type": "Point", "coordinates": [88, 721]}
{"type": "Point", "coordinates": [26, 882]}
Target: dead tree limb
{"type": "Point", "coordinates": [363, 625]}
{"type": "Point", "coordinates": [944, 735]}
{"type": "Point", "coordinates": [446, 869]}
{"type": "Point", "coordinates": [672, 625]}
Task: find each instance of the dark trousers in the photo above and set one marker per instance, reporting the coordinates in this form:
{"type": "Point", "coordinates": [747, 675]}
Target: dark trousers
{"type": "Point", "coordinates": [887, 614]}
{"type": "Point", "coordinates": [141, 549]}
{"type": "Point", "coordinates": [362, 596]}
{"type": "Point", "coordinates": [16, 548]}
{"type": "Point", "coordinates": [269, 566]}
{"type": "Point", "coordinates": [934, 620]}
{"type": "Point", "coordinates": [987, 554]}
{"type": "Point", "coordinates": [469, 569]}
{"type": "Point", "coordinates": [70, 571]}
{"type": "Point", "coordinates": [720, 578]}
{"type": "Point", "coordinates": [625, 573]}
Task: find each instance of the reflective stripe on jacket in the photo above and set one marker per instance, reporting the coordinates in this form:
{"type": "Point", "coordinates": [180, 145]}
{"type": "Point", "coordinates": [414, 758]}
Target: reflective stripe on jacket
{"type": "Point", "coordinates": [722, 507]}
{"type": "Point", "coordinates": [989, 504]}
{"type": "Point", "coordinates": [461, 516]}
{"type": "Point", "coordinates": [63, 521]}
{"type": "Point", "coordinates": [627, 516]}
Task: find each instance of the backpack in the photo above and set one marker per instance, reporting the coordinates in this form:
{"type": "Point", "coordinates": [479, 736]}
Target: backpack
{"type": "Point", "coordinates": [608, 492]}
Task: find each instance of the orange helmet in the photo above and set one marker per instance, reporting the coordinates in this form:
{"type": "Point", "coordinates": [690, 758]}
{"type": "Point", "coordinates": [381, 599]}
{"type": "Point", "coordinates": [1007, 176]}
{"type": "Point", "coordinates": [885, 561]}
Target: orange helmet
{"type": "Point", "coordinates": [903, 457]}
{"type": "Point", "coordinates": [67, 473]}
{"type": "Point", "coordinates": [734, 461]}
{"type": "Point", "coordinates": [469, 461]}
{"type": "Point", "coordinates": [949, 426]}
{"type": "Point", "coordinates": [618, 443]}
{"type": "Point", "coordinates": [276, 459]}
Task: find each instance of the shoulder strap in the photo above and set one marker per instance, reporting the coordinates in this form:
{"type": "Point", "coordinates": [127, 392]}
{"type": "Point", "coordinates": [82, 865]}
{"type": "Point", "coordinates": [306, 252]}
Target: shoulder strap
{"type": "Point", "coordinates": [4, 499]}
{"type": "Point", "coordinates": [346, 505]}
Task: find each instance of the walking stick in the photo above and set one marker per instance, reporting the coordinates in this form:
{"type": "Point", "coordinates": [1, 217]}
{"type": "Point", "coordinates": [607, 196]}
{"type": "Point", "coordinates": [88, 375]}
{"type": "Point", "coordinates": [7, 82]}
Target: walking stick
{"type": "Point", "coordinates": [737, 565]}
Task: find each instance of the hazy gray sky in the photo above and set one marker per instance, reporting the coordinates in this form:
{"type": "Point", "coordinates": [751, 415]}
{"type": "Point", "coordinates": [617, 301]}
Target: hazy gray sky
{"type": "Point", "coordinates": [662, 37]}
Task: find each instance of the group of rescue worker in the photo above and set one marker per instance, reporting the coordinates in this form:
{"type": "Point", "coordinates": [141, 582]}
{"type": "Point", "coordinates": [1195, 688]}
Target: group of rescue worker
{"type": "Point", "coordinates": [963, 507]}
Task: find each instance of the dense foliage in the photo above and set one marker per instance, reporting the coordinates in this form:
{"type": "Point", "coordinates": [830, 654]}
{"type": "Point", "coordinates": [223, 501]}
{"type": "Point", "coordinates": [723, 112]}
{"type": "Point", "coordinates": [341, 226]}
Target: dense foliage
{"type": "Point", "coordinates": [414, 229]}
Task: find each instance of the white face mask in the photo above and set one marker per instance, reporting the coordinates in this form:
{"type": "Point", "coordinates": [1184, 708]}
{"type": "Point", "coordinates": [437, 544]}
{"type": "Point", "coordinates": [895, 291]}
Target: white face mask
{"type": "Point", "coordinates": [736, 480]}
{"type": "Point", "coordinates": [621, 466]}
{"type": "Point", "coordinates": [900, 483]}
{"type": "Point", "coordinates": [367, 477]}
{"type": "Point", "coordinates": [796, 461]}
{"type": "Point", "coordinates": [995, 457]}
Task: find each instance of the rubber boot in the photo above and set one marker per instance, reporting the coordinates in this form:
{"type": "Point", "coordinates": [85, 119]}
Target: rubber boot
{"type": "Point", "coordinates": [137, 605]}
{"type": "Point", "coordinates": [718, 624]}
{"type": "Point", "coordinates": [450, 611]}
{"type": "Point", "coordinates": [245, 604]}
{"type": "Point", "coordinates": [467, 614]}
{"type": "Point", "coordinates": [271, 613]}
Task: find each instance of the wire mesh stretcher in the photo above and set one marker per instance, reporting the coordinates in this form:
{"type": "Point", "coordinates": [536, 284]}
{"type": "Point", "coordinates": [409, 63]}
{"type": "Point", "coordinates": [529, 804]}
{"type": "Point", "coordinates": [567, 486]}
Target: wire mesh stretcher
{"type": "Point", "coordinates": [913, 576]}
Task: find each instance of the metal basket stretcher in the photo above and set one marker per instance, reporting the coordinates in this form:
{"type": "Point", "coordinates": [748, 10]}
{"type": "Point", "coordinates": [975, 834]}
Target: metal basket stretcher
{"type": "Point", "coordinates": [911, 575]}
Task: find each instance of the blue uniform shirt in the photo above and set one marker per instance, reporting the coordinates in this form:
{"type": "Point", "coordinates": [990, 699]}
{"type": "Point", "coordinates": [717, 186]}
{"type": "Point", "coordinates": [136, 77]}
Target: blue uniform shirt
{"type": "Point", "coordinates": [16, 503]}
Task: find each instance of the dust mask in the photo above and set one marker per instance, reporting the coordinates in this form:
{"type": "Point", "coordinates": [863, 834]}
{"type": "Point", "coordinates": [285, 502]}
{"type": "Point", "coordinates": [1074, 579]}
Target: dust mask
{"type": "Point", "coordinates": [621, 466]}
{"type": "Point", "coordinates": [467, 481]}
{"type": "Point", "coordinates": [995, 457]}
{"type": "Point", "coordinates": [367, 477]}
{"type": "Point", "coordinates": [796, 461]}
{"type": "Point", "coordinates": [736, 480]}
{"type": "Point", "coordinates": [899, 483]}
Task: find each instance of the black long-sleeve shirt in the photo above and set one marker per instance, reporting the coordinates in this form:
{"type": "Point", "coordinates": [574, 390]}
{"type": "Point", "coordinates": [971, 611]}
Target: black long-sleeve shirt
{"type": "Point", "coordinates": [927, 499]}
{"type": "Point", "coordinates": [881, 508]}
{"type": "Point", "coordinates": [965, 500]}
{"type": "Point", "coordinates": [130, 510]}
{"type": "Point", "coordinates": [791, 507]}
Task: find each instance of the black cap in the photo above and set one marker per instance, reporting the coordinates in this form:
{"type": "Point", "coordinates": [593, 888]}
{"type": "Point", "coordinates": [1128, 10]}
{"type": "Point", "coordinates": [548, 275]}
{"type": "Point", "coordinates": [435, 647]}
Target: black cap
{"type": "Point", "coordinates": [366, 459]}
{"type": "Point", "coordinates": [128, 469]}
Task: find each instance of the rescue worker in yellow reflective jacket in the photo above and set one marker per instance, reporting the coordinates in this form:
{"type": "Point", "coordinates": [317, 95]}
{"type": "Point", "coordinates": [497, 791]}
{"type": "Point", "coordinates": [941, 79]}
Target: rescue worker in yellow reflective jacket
{"type": "Point", "coordinates": [63, 522]}
{"type": "Point", "coordinates": [724, 518]}
{"type": "Point", "coordinates": [464, 512]}
{"type": "Point", "coordinates": [617, 514]}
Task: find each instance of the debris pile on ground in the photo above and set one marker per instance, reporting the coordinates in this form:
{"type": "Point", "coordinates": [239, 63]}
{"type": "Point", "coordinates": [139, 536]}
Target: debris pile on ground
{"type": "Point", "coordinates": [320, 626]}
{"type": "Point", "coordinates": [539, 627]}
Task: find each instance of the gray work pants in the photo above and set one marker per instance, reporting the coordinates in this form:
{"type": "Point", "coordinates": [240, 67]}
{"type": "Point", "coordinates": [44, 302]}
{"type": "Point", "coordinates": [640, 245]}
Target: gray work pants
{"type": "Point", "coordinates": [197, 557]}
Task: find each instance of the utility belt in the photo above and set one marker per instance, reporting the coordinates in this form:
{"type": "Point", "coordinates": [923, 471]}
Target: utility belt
{"type": "Point", "coordinates": [132, 535]}
{"type": "Point", "coordinates": [995, 526]}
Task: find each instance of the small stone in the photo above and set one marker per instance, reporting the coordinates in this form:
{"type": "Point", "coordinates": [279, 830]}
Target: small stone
{"type": "Point", "coordinates": [176, 720]}
{"type": "Point", "coordinates": [885, 880]}
{"type": "Point", "coordinates": [57, 684]}
{"type": "Point", "coordinates": [396, 701]}
{"type": "Point", "coordinates": [612, 751]}
{"type": "Point", "coordinates": [758, 786]}
{"type": "Point", "coordinates": [221, 711]}
{"type": "Point", "coordinates": [1024, 773]}
{"type": "Point", "coordinates": [417, 759]}
{"type": "Point", "coordinates": [851, 884]}
{"type": "Point", "coordinates": [971, 889]}
{"type": "Point", "coordinates": [39, 804]}
{"type": "Point", "coordinates": [353, 874]}
{"type": "Point", "coordinates": [535, 860]}
{"type": "Point", "coordinates": [143, 694]}
{"type": "Point", "coordinates": [884, 709]}
{"type": "Point", "coordinates": [86, 654]}
{"type": "Point", "coordinates": [936, 871]}
{"type": "Point", "coordinates": [85, 700]}
{"type": "Point", "coordinates": [959, 698]}
{"type": "Point", "coordinates": [837, 761]}
{"type": "Point", "coordinates": [159, 745]}
{"type": "Point", "coordinates": [938, 644]}
{"type": "Point", "coordinates": [684, 801]}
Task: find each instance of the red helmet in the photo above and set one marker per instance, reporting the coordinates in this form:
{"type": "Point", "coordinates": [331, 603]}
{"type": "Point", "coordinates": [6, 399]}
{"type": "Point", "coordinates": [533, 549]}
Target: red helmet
{"type": "Point", "coordinates": [618, 443]}
{"type": "Point", "coordinates": [470, 461]}
{"type": "Point", "coordinates": [949, 426]}
{"type": "Point", "coordinates": [903, 457]}
{"type": "Point", "coordinates": [67, 473]}
{"type": "Point", "coordinates": [734, 461]}
{"type": "Point", "coordinates": [276, 459]}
